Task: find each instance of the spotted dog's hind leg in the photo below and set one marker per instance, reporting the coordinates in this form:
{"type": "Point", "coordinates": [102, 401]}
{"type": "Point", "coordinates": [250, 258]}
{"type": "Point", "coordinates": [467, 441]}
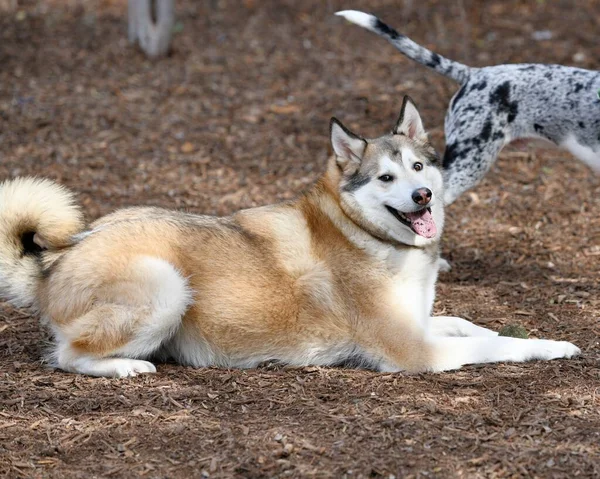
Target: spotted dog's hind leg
{"type": "Point", "coordinates": [466, 162]}
{"type": "Point", "coordinates": [482, 118]}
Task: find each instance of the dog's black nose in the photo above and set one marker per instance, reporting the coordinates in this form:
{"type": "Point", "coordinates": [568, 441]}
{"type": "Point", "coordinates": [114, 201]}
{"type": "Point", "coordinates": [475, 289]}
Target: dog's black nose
{"type": "Point", "coordinates": [422, 196]}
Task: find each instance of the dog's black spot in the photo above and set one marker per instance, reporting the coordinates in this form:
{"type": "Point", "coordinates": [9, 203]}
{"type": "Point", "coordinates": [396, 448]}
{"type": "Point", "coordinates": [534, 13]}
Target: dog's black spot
{"type": "Point", "coordinates": [434, 61]}
{"type": "Point", "coordinates": [581, 124]}
{"type": "Point", "coordinates": [501, 98]}
{"type": "Point", "coordinates": [501, 95]}
{"type": "Point", "coordinates": [486, 131]}
{"type": "Point", "coordinates": [538, 128]}
{"type": "Point", "coordinates": [384, 29]}
{"type": "Point", "coordinates": [528, 68]}
{"type": "Point", "coordinates": [356, 181]}
{"type": "Point", "coordinates": [30, 247]}
{"type": "Point", "coordinates": [479, 86]}
{"type": "Point", "coordinates": [498, 135]}
{"type": "Point", "coordinates": [548, 75]}
{"type": "Point", "coordinates": [450, 155]}
{"type": "Point", "coordinates": [578, 87]}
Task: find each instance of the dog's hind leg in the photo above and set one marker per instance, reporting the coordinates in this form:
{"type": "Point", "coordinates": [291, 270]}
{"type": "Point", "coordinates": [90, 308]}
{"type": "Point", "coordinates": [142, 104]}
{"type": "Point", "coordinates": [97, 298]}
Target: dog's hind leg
{"type": "Point", "coordinates": [467, 161]}
{"type": "Point", "coordinates": [453, 326]}
{"type": "Point", "coordinates": [465, 164]}
{"type": "Point", "coordinates": [73, 360]}
{"type": "Point", "coordinates": [132, 318]}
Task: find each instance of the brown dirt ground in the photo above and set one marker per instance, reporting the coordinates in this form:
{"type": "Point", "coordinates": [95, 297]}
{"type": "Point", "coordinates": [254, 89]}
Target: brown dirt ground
{"type": "Point", "coordinates": [236, 117]}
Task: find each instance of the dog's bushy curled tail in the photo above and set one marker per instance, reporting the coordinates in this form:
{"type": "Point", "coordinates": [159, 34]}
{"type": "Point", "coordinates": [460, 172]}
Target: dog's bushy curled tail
{"type": "Point", "coordinates": [414, 51]}
{"type": "Point", "coordinates": [37, 217]}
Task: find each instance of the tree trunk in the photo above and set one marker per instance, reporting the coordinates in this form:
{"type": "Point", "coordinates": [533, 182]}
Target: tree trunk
{"type": "Point", "coordinates": [8, 6]}
{"type": "Point", "coordinates": [152, 34]}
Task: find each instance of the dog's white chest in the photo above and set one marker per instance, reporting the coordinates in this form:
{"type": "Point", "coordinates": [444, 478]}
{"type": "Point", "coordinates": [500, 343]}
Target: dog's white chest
{"type": "Point", "coordinates": [413, 284]}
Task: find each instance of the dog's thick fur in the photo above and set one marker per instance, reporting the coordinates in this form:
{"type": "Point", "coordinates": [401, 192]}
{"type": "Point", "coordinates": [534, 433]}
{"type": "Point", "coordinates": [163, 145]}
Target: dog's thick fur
{"type": "Point", "coordinates": [345, 274]}
{"type": "Point", "coordinates": [498, 104]}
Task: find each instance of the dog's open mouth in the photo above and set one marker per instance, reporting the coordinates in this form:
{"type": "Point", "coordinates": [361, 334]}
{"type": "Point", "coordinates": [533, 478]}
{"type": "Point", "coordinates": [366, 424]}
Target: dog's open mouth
{"type": "Point", "coordinates": [421, 222]}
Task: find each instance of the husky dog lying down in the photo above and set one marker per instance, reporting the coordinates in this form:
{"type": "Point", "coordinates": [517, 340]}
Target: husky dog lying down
{"type": "Point", "coordinates": [344, 274]}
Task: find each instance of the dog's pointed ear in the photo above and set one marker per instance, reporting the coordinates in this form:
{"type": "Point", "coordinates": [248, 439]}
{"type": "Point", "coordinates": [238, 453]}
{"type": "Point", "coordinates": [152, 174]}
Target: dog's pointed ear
{"type": "Point", "coordinates": [348, 147]}
{"type": "Point", "coordinates": [409, 123]}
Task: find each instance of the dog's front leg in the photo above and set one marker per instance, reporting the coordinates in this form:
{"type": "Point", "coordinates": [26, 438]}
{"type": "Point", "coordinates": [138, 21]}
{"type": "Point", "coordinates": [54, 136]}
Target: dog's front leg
{"type": "Point", "coordinates": [467, 160]}
{"type": "Point", "coordinates": [447, 353]}
{"type": "Point", "coordinates": [404, 348]}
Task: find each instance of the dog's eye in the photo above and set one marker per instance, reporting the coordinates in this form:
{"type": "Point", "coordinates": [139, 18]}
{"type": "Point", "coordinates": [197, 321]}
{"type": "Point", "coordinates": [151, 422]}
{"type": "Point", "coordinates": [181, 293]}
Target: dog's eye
{"type": "Point", "coordinates": [386, 178]}
{"type": "Point", "coordinates": [418, 166]}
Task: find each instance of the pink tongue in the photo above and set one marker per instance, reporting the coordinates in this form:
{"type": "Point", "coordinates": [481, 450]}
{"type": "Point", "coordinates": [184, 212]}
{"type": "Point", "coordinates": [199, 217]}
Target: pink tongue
{"type": "Point", "coordinates": [422, 223]}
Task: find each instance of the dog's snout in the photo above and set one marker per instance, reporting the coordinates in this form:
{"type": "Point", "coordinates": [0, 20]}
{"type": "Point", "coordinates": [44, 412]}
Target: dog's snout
{"type": "Point", "coordinates": [422, 196]}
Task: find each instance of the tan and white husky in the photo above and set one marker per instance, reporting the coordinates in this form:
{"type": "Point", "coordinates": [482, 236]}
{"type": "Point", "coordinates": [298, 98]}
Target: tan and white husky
{"type": "Point", "coordinates": [343, 275]}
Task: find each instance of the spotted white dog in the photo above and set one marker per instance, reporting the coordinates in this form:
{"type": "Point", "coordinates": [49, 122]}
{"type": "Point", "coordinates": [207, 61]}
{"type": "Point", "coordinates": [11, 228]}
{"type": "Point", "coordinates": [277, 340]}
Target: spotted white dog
{"type": "Point", "coordinates": [499, 104]}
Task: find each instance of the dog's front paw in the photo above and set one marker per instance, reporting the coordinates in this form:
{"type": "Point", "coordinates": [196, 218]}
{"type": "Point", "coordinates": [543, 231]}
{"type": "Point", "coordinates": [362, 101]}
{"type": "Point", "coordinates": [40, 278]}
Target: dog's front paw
{"type": "Point", "coordinates": [556, 349]}
{"type": "Point", "coordinates": [569, 349]}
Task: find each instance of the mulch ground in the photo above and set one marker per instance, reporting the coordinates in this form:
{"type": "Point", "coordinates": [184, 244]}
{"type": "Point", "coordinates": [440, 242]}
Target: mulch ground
{"type": "Point", "coordinates": [237, 116]}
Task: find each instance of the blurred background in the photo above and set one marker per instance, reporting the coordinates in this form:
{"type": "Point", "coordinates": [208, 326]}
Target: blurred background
{"type": "Point", "coordinates": [237, 113]}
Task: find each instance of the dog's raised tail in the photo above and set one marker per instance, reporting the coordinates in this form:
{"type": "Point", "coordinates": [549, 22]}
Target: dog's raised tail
{"type": "Point", "coordinates": [414, 51]}
{"type": "Point", "coordinates": [36, 216]}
